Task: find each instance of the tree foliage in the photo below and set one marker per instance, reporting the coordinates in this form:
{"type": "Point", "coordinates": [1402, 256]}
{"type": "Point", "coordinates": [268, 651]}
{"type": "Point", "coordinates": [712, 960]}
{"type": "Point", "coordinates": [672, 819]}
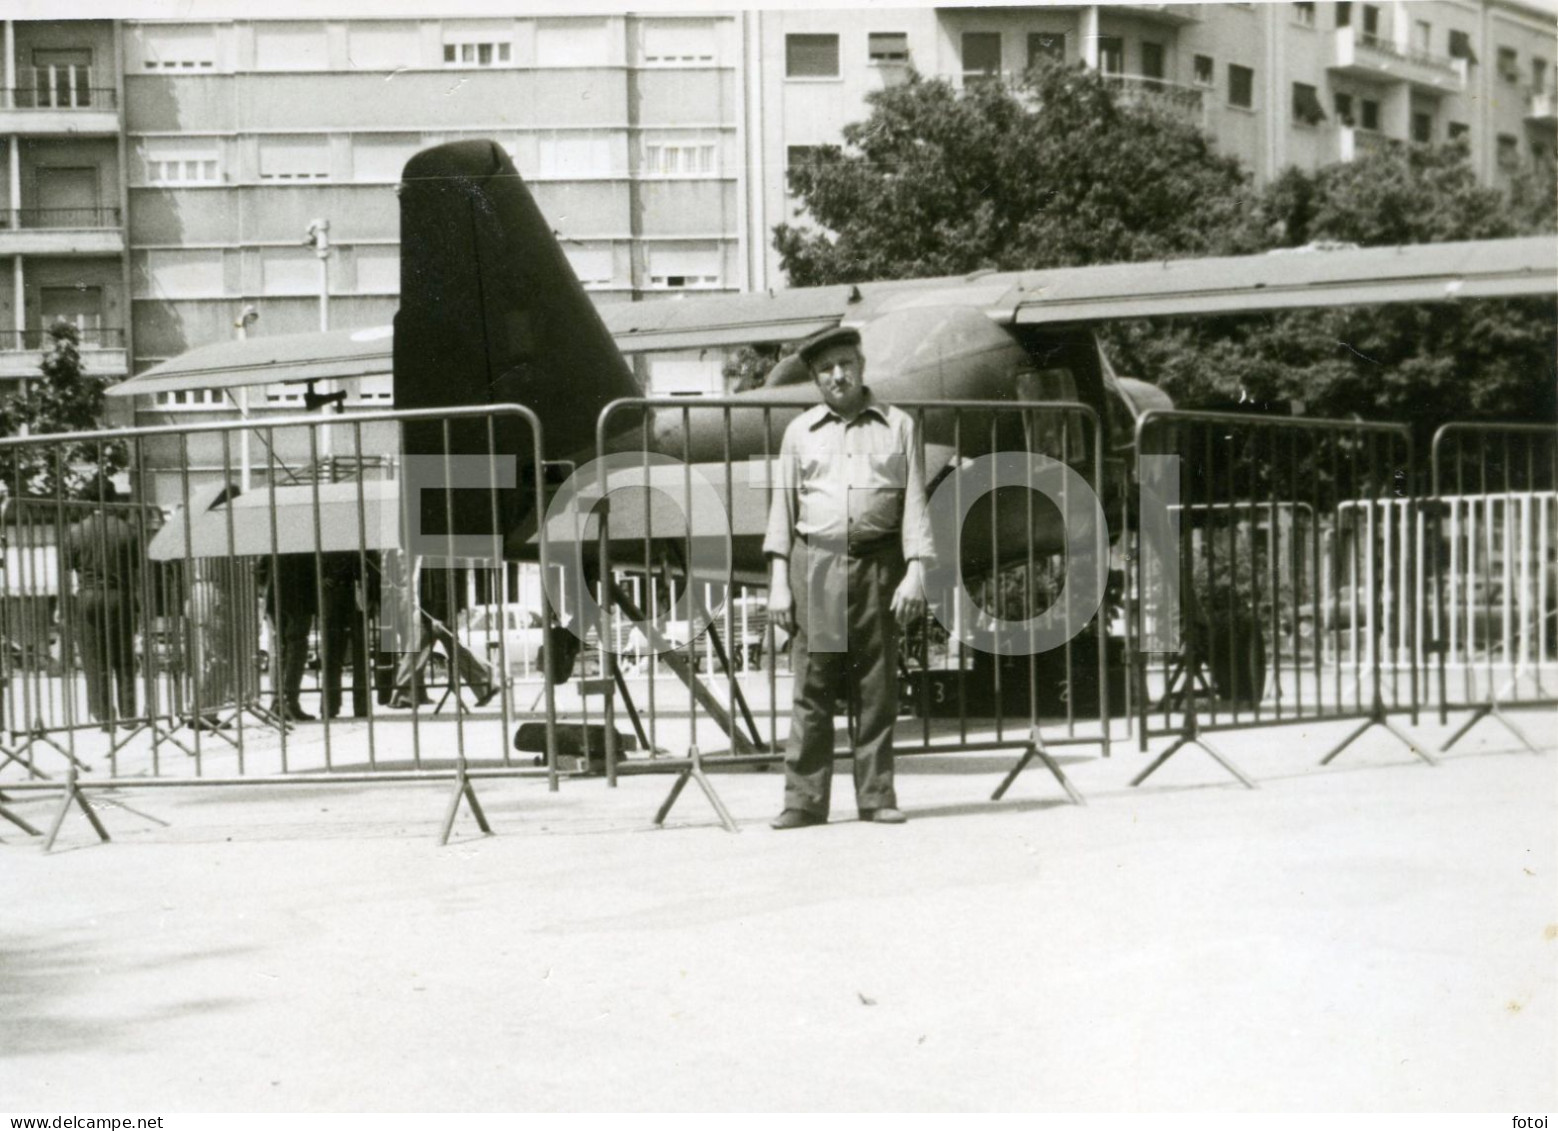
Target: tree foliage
{"type": "Point", "coordinates": [1051, 172]}
{"type": "Point", "coordinates": [65, 399]}
{"type": "Point", "coordinates": [1062, 170]}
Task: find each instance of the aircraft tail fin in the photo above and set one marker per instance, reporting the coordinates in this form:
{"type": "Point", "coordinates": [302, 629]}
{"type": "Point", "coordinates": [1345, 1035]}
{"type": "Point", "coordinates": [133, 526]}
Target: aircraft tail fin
{"type": "Point", "coordinates": [491, 313]}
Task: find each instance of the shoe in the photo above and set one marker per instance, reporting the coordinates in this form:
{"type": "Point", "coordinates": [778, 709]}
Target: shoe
{"type": "Point", "coordinates": [291, 713]}
{"type": "Point", "coordinates": [796, 819]}
{"type": "Point", "coordinates": [884, 816]}
{"type": "Point", "coordinates": [487, 697]}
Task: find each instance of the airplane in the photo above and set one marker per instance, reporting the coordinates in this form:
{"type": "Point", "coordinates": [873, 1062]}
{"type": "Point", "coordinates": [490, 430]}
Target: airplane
{"type": "Point", "coordinates": [492, 313]}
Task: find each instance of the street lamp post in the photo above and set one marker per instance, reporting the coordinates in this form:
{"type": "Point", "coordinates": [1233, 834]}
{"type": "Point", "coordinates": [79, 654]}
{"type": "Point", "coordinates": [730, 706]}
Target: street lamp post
{"type": "Point", "coordinates": [318, 238]}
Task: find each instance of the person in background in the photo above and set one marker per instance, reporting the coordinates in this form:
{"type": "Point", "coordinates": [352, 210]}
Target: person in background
{"type": "Point", "coordinates": [104, 550]}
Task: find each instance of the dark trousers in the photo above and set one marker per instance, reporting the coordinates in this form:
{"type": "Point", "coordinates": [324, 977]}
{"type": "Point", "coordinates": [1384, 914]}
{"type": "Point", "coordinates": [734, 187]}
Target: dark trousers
{"type": "Point", "coordinates": [866, 674]}
{"type": "Point", "coordinates": [108, 651]}
{"type": "Point", "coordinates": [291, 640]}
{"type": "Point", "coordinates": [342, 636]}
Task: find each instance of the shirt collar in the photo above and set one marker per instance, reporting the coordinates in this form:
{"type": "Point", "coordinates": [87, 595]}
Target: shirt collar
{"type": "Point", "coordinates": [873, 405]}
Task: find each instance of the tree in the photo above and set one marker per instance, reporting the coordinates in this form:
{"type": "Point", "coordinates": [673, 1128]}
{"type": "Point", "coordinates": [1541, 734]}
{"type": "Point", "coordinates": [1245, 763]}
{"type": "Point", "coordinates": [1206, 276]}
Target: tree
{"type": "Point", "coordinates": [1053, 171]}
{"type": "Point", "coordinates": [1062, 170]}
{"type": "Point", "coordinates": [1491, 359]}
{"type": "Point", "coordinates": [67, 399]}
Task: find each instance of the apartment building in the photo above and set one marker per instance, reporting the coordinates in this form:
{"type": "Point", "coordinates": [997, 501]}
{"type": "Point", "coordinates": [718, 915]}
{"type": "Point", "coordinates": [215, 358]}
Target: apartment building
{"type": "Point", "coordinates": [166, 177]}
{"type": "Point", "coordinates": [62, 222]}
{"type": "Point", "coordinates": [1279, 84]}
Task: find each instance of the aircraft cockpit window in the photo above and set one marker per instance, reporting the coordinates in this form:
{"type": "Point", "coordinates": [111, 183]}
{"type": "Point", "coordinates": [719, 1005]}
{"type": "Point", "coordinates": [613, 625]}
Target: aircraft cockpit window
{"type": "Point", "coordinates": [1055, 434]}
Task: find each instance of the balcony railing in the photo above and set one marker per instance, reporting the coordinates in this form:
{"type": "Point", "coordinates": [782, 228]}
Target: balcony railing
{"type": "Point", "coordinates": [36, 219]}
{"type": "Point", "coordinates": [1159, 94]}
{"type": "Point", "coordinates": [59, 88]}
{"type": "Point", "coordinates": [93, 339]}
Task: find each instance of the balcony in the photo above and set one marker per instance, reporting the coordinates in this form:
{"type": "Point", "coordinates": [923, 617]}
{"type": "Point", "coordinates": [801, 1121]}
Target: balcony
{"type": "Point", "coordinates": [59, 100]}
{"type": "Point", "coordinates": [1171, 98]}
{"type": "Point", "coordinates": [1542, 107]}
{"type": "Point", "coordinates": [1371, 57]}
{"type": "Point", "coordinates": [1172, 15]}
{"type": "Point", "coordinates": [1353, 143]}
{"type": "Point", "coordinates": [103, 352]}
{"type": "Point", "coordinates": [78, 231]}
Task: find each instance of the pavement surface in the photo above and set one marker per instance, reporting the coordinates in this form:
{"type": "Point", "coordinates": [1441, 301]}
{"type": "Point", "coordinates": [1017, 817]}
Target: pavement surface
{"type": "Point", "coordinates": [1377, 934]}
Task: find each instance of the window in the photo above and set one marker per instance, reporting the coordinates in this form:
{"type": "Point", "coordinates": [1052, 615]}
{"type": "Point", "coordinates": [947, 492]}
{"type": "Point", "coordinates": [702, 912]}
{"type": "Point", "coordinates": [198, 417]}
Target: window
{"type": "Point", "coordinates": [477, 53]}
{"type": "Point", "coordinates": [1509, 64]}
{"type": "Point", "coordinates": [1538, 75]}
{"type": "Point", "coordinates": [687, 159]}
{"type": "Point", "coordinates": [1241, 86]}
{"type": "Point", "coordinates": [191, 398]}
{"type": "Point", "coordinates": [1205, 71]}
{"type": "Point", "coordinates": [1369, 114]}
{"type": "Point", "coordinates": [1152, 62]}
{"type": "Point", "coordinates": [178, 48]}
{"type": "Point", "coordinates": [887, 48]}
{"type": "Point", "coordinates": [1540, 154]}
{"type": "Point", "coordinates": [679, 43]}
{"type": "Point", "coordinates": [1049, 45]}
{"type": "Point", "coordinates": [381, 158]}
{"type": "Point", "coordinates": [564, 155]}
{"type": "Point", "coordinates": [383, 46]}
{"type": "Point", "coordinates": [1508, 152]}
{"type": "Point", "coordinates": [569, 43]}
{"type": "Point", "coordinates": [1343, 104]}
{"type": "Point", "coordinates": [1344, 13]}
{"type": "Point", "coordinates": [1304, 14]}
{"type": "Point", "coordinates": [811, 56]}
{"type": "Point", "coordinates": [1111, 54]}
{"type": "Point", "coordinates": [1306, 105]}
{"type": "Point", "coordinates": [61, 78]}
{"type": "Point", "coordinates": [294, 158]}
{"type": "Point", "coordinates": [1370, 23]}
{"type": "Point", "coordinates": [1460, 46]}
{"type": "Point", "coordinates": [378, 270]}
{"type": "Point", "coordinates": [796, 157]}
{"type": "Point", "coordinates": [166, 165]}
{"type": "Point", "coordinates": [593, 265]}
{"type": "Point", "coordinates": [290, 47]}
{"type": "Point", "coordinates": [289, 271]}
{"type": "Point", "coordinates": [685, 266]}
{"type": "Point", "coordinates": [1422, 127]}
{"type": "Point", "coordinates": [82, 307]}
{"type": "Point", "coordinates": [1460, 131]}
{"type": "Point", "coordinates": [981, 54]}
{"type": "Point", "coordinates": [1422, 36]}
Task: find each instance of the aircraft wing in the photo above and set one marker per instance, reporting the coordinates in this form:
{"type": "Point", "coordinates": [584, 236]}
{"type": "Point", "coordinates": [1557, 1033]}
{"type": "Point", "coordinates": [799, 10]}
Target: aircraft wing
{"type": "Point", "coordinates": [278, 359]}
{"type": "Point", "coordinates": [1285, 280]}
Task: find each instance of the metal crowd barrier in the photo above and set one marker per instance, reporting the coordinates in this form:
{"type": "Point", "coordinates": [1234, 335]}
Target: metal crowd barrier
{"type": "Point", "coordinates": [1493, 572]}
{"type": "Point", "coordinates": [263, 611]}
{"type": "Point", "coordinates": [687, 486]}
{"type": "Point", "coordinates": [1295, 589]}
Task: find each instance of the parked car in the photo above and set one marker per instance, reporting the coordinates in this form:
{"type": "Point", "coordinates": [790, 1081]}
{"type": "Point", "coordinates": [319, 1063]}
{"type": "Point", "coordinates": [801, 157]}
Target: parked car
{"type": "Point", "coordinates": [497, 632]}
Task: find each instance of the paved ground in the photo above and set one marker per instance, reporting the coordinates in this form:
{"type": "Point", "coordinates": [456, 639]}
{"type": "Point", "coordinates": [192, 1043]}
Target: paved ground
{"type": "Point", "coordinates": [1372, 935]}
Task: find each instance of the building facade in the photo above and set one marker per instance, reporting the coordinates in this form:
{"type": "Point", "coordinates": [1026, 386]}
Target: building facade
{"type": "Point", "coordinates": [164, 178]}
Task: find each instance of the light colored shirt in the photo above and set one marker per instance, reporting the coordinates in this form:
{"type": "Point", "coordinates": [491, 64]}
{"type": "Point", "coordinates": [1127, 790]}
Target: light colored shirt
{"type": "Point", "coordinates": [855, 483]}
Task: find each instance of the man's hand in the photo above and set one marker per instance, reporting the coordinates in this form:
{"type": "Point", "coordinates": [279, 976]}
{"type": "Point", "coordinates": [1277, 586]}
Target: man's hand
{"type": "Point", "coordinates": [909, 598]}
{"type": "Point", "coordinates": [781, 602]}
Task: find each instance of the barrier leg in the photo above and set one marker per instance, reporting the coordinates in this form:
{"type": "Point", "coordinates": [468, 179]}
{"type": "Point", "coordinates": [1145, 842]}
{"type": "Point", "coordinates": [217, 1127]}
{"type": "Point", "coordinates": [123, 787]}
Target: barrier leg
{"type": "Point", "coordinates": [1192, 737]}
{"type": "Point", "coordinates": [462, 788]}
{"type": "Point", "coordinates": [1037, 749]}
{"type": "Point", "coordinates": [1378, 718]}
{"type": "Point", "coordinates": [694, 771]}
{"type": "Point", "coordinates": [1495, 712]}
{"type": "Point", "coordinates": [6, 814]}
{"type": "Point", "coordinates": [73, 794]}
{"type": "Point", "coordinates": [20, 759]}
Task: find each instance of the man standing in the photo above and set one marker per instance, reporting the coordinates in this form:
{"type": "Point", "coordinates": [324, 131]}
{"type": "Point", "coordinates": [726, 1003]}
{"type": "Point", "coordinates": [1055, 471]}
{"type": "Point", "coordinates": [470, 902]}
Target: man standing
{"type": "Point", "coordinates": [848, 537]}
{"type": "Point", "coordinates": [105, 551]}
{"type": "Point", "coordinates": [291, 597]}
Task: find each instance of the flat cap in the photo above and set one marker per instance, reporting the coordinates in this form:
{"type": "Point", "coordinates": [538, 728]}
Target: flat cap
{"type": "Point", "coordinates": [822, 339]}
